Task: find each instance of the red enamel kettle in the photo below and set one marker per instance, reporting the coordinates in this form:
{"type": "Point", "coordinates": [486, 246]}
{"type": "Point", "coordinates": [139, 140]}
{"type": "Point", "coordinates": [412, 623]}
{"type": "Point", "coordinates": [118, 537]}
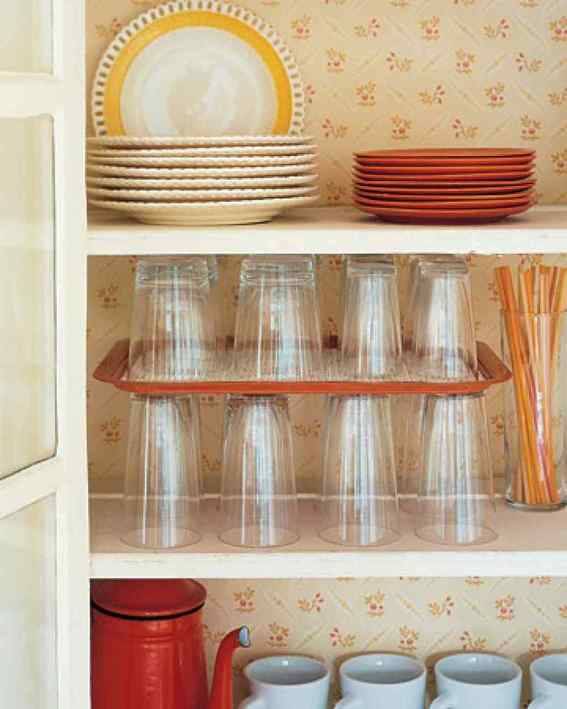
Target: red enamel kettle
{"type": "Point", "coordinates": [148, 650]}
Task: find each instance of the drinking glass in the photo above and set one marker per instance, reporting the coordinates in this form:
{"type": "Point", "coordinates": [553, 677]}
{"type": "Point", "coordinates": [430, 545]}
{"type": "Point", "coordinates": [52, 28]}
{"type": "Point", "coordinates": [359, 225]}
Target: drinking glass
{"type": "Point", "coordinates": [278, 330]}
{"type": "Point", "coordinates": [174, 321]}
{"type": "Point", "coordinates": [161, 492]}
{"type": "Point", "coordinates": [359, 501]}
{"type": "Point", "coordinates": [456, 500]}
{"type": "Point", "coordinates": [258, 498]}
{"type": "Point", "coordinates": [444, 346]}
{"type": "Point", "coordinates": [371, 342]}
{"type": "Point", "coordinates": [416, 263]}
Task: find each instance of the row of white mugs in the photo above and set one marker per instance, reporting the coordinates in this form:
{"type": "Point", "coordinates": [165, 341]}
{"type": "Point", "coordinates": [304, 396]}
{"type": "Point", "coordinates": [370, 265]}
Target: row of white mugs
{"type": "Point", "coordinates": [391, 681]}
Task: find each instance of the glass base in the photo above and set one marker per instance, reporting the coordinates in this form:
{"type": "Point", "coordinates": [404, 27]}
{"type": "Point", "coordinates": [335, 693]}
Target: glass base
{"type": "Point", "coordinates": [355, 536]}
{"type": "Point", "coordinates": [456, 534]}
{"type": "Point", "coordinates": [157, 539]}
{"type": "Point", "coordinates": [535, 508]}
{"type": "Point", "coordinates": [254, 537]}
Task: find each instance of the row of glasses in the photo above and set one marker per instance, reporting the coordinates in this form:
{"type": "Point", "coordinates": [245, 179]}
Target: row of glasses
{"type": "Point", "coordinates": [259, 508]}
{"type": "Point", "coordinates": [174, 332]}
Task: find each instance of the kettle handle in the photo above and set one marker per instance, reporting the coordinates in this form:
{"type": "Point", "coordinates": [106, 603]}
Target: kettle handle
{"type": "Point", "coordinates": [221, 692]}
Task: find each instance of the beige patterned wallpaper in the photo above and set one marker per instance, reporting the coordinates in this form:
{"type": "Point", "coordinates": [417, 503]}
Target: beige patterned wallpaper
{"type": "Point", "coordinates": [393, 73]}
{"type": "Point", "coordinates": [405, 73]}
{"type": "Point", "coordinates": [521, 618]}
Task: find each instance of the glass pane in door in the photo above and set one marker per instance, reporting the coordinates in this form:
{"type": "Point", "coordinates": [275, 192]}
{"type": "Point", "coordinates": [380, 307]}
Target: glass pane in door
{"type": "Point", "coordinates": [26, 36]}
{"type": "Point", "coordinates": [27, 308]}
{"type": "Point", "coordinates": [28, 622]}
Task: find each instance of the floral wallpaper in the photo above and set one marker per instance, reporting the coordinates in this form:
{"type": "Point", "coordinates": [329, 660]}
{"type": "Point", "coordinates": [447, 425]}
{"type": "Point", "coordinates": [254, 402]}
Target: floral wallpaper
{"type": "Point", "coordinates": [399, 73]}
{"type": "Point", "coordinates": [426, 618]}
{"type": "Point", "coordinates": [408, 73]}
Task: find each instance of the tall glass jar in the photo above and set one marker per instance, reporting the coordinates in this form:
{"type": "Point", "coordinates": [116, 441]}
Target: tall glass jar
{"type": "Point", "coordinates": [535, 349]}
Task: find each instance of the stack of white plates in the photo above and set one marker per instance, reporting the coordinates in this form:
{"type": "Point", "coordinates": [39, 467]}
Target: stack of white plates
{"type": "Point", "coordinates": [210, 180]}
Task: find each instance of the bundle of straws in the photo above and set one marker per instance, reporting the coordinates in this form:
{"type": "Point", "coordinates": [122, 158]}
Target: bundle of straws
{"type": "Point", "coordinates": [532, 316]}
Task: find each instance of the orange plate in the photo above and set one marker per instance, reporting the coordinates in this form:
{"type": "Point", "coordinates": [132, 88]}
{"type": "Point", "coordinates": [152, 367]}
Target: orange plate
{"type": "Point", "coordinates": [451, 180]}
{"type": "Point", "coordinates": [114, 366]}
{"type": "Point", "coordinates": [441, 216]}
{"type": "Point", "coordinates": [456, 153]}
{"type": "Point", "coordinates": [369, 167]}
{"type": "Point", "coordinates": [495, 200]}
{"type": "Point", "coordinates": [480, 163]}
{"type": "Point", "coordinates": [445, 204]}
{"type": "Point", "coordinates": [433, 192]}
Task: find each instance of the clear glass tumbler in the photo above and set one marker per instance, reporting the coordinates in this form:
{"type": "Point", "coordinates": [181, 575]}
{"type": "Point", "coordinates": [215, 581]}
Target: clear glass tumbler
{"type": "Point", "coordinates": [456, 496]}
{"type": "Point", "coordinates": [371, 340]}
{"type": "Point", "coordinates": [359, 504]}
{"type": "Point", "coordinates": [535, 347]}
{"type": "Point", "coordinates": [258, 496]}
{"type": "Point", "coordinates": [444, 345]}
{"type": "Point", "coordinates": [278, 329]}
{"type": "Point", "coordinates": [416, 264]}
{"type": "Point", "coordinates": [161, 490]}
{"type": "Point", "coordinates": [173, 333]}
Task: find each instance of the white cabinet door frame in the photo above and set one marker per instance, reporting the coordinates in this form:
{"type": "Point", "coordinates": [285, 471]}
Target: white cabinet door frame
{"type": "Point", "coordinates": [62, 96]}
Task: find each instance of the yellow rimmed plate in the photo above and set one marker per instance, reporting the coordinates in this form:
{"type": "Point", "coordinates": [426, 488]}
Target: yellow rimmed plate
{"type": "Point", "coordinates": [197, 67]}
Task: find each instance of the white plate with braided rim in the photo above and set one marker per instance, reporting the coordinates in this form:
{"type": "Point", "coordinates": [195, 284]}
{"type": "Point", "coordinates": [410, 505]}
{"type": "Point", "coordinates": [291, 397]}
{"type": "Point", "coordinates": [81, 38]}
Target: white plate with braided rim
{"type": "Point", "coordinates": [202, 172]}
{"type": "Point", "coordinates": [216, 141]}
{"type": "Point", "coordinates": [237, 161]}
{"type": "Point", "coordinates": [251, 211]}
{"type": "Point", "coordinates": [227, 152]}
{"type": "Point", "coordinates": [203, 183]}
{"type": "Point", "coordinates": [189, 196]}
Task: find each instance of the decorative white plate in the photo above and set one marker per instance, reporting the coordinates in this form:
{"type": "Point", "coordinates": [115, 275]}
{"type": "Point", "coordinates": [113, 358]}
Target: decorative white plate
{"type": "Point", "coordinates": [132, 142]}
{"type": "Point", "coordinates": [226, 152]}
{"type": "Point", "coordinates": [191, 184]}
{"type": "Point", "coordinates": [197, 67]}
{"type": "Point", "coordinates": [189, 196]}
{"type": "Point", "coordinates": [207, 172]}
{"type": "Point", "coordinates": [206, 213]}
{"type": "Point", "coordinates": [259, 161]}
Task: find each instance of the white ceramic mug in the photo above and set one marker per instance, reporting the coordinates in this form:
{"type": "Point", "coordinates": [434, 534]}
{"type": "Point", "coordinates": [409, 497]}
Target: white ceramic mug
{"type": "Point", "coordinates": [382, 681]}
{"type": "Point", "coordinates": [287, 682]}
{"type": "Point", "coordinates": [549, 682]}
{"type": "Point", "coordinates": [477, 681]}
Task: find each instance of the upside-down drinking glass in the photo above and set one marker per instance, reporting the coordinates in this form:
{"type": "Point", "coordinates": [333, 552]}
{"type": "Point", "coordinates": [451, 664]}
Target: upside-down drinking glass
{"type": "Point", "coordinates": [371, 340]}
{"type": "Point", "coordinates": [359, 502]}
{"type": "Point", "coordinates": [456, 498]}
{"type": "Point", "coordinates": [258, 496]}
{"type": "Point", "coordinates": [173, 334]}
{"type": "Point", "coordinates": [161, 491]}
{"type": "Point", "coordinates": [444, 346]}
{"type": "Point", "coordinates": [278, 330]}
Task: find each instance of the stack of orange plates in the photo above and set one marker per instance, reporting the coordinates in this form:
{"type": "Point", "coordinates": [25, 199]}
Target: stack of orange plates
{"type": "Point", "coordinates": [444, 185]}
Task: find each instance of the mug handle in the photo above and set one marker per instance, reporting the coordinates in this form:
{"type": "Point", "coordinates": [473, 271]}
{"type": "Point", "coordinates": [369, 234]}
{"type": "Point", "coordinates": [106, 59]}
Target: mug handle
{"type": "Point", "coordinates": [349, 702]}
{"type": "Point", "coordinates": [252, 703]}
{"type": "Point", "coordinates": [542, 701]}
{"type": "Point", "coordinates": [443, 701]}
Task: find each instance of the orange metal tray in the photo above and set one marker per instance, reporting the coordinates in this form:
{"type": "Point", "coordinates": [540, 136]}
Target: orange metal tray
{"type": "Point", "coordinates": [114, 367]}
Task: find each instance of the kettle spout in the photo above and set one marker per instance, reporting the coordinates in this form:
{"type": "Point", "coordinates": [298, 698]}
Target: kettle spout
{"type": "Point", "coordinates": [221, 692]}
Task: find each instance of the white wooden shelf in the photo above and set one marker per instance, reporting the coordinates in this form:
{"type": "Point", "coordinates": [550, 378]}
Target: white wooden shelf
{"type": "Point", "coordinates": [331, 230]}
{"type": "Point", "coordinates": [529, 544]}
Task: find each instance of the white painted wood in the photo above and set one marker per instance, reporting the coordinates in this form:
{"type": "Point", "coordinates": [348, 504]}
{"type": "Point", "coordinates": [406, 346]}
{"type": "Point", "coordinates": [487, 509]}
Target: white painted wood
{"type": "Point", "coordinates": [64, 476]}
{"type": "Point", "coordinates": [528, 544]}
{"type": "Point", "coordinates": [330, 230]}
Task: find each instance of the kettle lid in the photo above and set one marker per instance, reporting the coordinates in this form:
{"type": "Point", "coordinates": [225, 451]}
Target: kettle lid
{"type": "Point", "coordinates": [148, 598]}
